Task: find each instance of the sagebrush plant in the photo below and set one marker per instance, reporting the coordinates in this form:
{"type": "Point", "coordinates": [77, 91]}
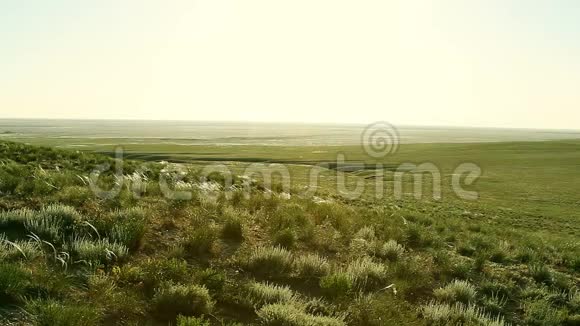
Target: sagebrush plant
{"type": "Point", "coordinates": [311, 266]}
{"type": "Point", "coordinates": [457, 291]}
{"type": "Point", "coordinates": [172, 300]}
{"type": "Point", "coordinates": [260, 294]}
{"type": "Point", "coordinates": [270, 261]}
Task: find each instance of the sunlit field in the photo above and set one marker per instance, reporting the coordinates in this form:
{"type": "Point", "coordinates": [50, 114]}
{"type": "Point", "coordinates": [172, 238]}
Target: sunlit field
{"type": "Point", "coordinates": [254, 253]}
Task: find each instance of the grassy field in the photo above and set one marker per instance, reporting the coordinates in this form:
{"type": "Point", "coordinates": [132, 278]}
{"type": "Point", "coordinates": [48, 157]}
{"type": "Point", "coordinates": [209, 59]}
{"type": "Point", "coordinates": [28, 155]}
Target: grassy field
{"type": "Point", "coordinates": [224, 258]}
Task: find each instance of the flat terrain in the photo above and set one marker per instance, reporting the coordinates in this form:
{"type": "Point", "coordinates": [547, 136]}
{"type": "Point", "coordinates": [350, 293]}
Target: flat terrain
{"type": "Point", "coordinates": [254, 256]}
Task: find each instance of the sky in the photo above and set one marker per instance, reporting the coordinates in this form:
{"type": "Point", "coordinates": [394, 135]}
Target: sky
{"type": "Point", "coordinates": [494, 63]}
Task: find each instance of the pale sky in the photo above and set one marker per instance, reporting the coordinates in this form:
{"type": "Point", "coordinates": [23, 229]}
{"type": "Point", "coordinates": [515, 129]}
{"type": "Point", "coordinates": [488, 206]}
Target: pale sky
{"type": "Point", "coordinates": [500, 63]}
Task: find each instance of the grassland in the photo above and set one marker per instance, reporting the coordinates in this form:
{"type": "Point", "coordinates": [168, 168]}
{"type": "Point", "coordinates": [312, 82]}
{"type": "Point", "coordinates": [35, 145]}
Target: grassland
{"type": "Point", "coordinates": [222, 258]}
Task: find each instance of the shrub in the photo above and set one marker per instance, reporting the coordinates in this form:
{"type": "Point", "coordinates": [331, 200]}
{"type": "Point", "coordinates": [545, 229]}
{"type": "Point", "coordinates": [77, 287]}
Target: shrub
{"type": "Point", "coordinates": [311, 266]}
{"type": "Point", "coordinates": [187, 300]}
{"type": "Point", "coordinates": [391, 250]}
{"type": "Point", "coordinates": [337, 284]}
{"type": "Point", "coordinates": [366, 274]}
{"type": "Point", "coordinates": [261, 294]}
{"type": "Point", "coordinates": [457, 291]}
{"type": "Point", "coordinates": [270, 261]}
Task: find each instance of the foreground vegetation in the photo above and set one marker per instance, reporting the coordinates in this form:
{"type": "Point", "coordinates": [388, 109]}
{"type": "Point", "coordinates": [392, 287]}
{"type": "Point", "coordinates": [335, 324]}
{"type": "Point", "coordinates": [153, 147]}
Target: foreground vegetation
{"type": "Point", "coordinates": [223, 258]}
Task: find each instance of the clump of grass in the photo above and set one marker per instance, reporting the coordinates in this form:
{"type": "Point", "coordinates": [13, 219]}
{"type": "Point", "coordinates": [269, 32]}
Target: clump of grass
{"type": "Point", "coordinates": [458, 314]}
{"type": "Point", "coordinates": [97, 252]}
{"type": "Point", "coordinates": [18, 250]}
{"type": "Point", "coordinates": [54, 222]}
{"type": "Point", "coordinates": [191, 321]}
{"type": "Point", "coordinates": [270, 261]}
{"type": "Point", "coordinates": [156, 271]}
{"type": "Point", "coordinates": [366, 233]}
{"type": "Point", "coordinates": [367, 274]}
{"type": "Point", "coordinates": [291, 315]}
{"type": "Point", "coordinates": [540, 312]}
{"type": "Point", "coordinates": [200, 242]}
{"type": "Point", "coordinates": [261, 294]}
{"type": "Point", "coordinates": [336, 285]}
{"type": "Point", "coordinates": [495, 304]}
{"type": "Point", "coordinates": [311, 266]}
{"type": "Point", "coordinates": [16, 218]}
{"type": "Point", "coordinates": [457, 291]}
{"type": "Point", "coordinates": [129, 227]}
{"type": "Point", "coordinates": [501, 253]}
{"type": "Point", "coordinates": [13, 282]}
{"type": "Point", "coordinates": [187, 300]}
{"type": "Point", "coordinates": [392, 251]}
{"type": "Point", "coordinates": [541, 274]}
{"type": "Point", "coordinates": [52, 313]}
{"type": "Point", "coordinates": [233, 229]}
{"type": "Point", "coordinates": [285, 238]}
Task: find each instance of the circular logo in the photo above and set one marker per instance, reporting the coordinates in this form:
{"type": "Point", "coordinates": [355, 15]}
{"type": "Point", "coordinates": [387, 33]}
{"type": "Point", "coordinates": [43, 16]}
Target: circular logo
{"type": "Point", "coordinates": [380, 139]}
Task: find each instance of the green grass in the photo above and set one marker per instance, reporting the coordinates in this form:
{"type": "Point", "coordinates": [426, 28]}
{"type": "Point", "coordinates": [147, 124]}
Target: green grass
{"type": "Point", "coordinates": [71, 258]}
